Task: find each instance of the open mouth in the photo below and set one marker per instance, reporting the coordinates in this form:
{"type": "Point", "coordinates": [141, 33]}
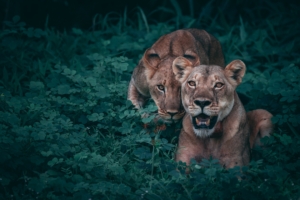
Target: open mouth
{"type": "Point", "coordinates": [204, 121]}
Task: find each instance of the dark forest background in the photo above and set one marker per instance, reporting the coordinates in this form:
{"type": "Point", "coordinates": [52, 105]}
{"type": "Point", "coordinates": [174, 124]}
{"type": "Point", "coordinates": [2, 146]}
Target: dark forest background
{"type": "Point", "coordinates": [66, 14]}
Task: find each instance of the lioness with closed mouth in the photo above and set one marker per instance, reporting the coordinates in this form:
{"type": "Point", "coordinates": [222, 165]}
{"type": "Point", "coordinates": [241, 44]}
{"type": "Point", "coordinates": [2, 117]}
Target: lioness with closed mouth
{"type": "Point", "coordinates": [215, 123]}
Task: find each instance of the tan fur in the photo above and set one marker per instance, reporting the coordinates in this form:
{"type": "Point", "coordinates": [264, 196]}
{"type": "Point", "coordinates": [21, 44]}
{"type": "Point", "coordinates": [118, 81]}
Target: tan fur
{"type": "Point", "coordinates": [228, 139]}
{"type": "Point", "coordinates": [260, 125]}
{"type": "Point", "coordinates": [155, 69]}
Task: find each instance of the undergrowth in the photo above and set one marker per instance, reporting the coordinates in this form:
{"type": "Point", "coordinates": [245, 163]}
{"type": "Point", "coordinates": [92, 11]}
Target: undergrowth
{"type": "Point", "coordinates": [68, 132]}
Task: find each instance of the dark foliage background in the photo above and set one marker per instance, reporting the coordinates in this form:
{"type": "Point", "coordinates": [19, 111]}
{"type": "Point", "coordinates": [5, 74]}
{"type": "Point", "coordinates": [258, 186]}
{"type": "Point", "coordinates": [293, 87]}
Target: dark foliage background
{"type": "Point", "coordinates": [67, 14]}
{"type": "Point", "coordinates": [67, 131]}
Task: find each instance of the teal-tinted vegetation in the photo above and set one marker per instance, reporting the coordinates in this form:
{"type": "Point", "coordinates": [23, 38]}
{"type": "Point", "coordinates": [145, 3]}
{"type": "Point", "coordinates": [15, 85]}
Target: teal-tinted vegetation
{"type": "Point", "coordinates": [68, 132]}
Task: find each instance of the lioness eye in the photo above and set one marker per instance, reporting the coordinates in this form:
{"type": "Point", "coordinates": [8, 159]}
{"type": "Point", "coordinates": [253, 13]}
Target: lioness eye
{"type": "Point", "coordinates": [190, 57]}
{"type": "Point", "coordinates": [219, 85]}
{"type": "Point", "coordinates": [161, 87]}
{"type": "Point", "coordinates": [153, 55]}
{"type": "Point", "coordinates": [192, 83]}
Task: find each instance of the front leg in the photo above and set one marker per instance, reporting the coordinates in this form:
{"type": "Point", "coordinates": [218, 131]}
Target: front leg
{"type": "Point", "coordinates": [187, 149]}
{"type": "Point", "coordinates": [183, 155]}
{"type": "Point", "coordinates": [137, 99]}
{"type": "Point", "coordinates": [240, 160]}
{"type": "Point", "coordinates": [238, 154]}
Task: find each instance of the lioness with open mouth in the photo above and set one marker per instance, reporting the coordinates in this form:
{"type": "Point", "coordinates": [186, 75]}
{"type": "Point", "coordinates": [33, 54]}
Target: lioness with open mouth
{"type": "Point", "coordinates": [215, 123]}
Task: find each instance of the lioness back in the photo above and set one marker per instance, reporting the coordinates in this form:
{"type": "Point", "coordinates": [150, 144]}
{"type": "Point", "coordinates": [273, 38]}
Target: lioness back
{"type": "Point", "coordinates": [153, 76]}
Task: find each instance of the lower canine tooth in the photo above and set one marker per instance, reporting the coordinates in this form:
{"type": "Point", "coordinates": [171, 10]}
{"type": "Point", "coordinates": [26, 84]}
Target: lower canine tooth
{"type": "Point", "coordinates": [197, 121]}
{"type": "Point", "coordinates": [207, 122]}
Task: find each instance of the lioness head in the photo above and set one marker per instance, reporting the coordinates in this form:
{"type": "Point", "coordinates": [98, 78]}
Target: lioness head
{"type": "Point", "coordinates": [196, 46]}
{"type": "Point", "coordinates": [207, 92]}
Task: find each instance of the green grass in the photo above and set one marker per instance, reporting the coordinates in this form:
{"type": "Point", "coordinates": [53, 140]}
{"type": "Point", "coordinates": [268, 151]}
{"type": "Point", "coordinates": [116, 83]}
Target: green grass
{"type": "Point", "coordinates": [68, 132]}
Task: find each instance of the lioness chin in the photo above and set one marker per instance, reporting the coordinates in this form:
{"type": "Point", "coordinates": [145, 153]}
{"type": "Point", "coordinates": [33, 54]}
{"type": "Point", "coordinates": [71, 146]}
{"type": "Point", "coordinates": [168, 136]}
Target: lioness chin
{"type": "Point", "coordinates": [215, 123]}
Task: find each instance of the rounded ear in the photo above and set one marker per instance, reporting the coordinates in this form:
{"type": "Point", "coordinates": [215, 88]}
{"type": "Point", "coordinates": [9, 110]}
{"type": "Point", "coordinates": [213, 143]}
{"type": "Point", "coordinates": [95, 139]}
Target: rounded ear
{"type": "Point", "coordinates": [182, 68]}
{"type": "Point", "coordinates": [235, 71]}
{"type": "Point", "coordinates": [192, 56]}
{"type": "Point", "coordinates": [151, 59]}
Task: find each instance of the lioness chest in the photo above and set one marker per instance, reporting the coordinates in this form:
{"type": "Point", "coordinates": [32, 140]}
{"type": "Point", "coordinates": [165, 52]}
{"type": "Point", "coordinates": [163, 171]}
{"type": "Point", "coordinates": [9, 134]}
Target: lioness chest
{"type": "Point", "coordinates": [229, 151]}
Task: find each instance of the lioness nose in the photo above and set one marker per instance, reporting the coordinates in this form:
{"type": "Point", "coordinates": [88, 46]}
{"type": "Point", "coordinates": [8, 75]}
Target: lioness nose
{"type": "Point", "coordinates": [172, 114]}
{"type": "Point", "coordinates": [202, 104]}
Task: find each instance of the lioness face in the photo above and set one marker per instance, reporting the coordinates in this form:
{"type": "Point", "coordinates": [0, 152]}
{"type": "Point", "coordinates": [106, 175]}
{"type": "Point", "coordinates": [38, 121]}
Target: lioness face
{"type": "Point", "coordinates": [165, 91]}
{"type": "Point", "coordinates": [207, 92]}
{"type": "Point", "coordinates": [164, 88]}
